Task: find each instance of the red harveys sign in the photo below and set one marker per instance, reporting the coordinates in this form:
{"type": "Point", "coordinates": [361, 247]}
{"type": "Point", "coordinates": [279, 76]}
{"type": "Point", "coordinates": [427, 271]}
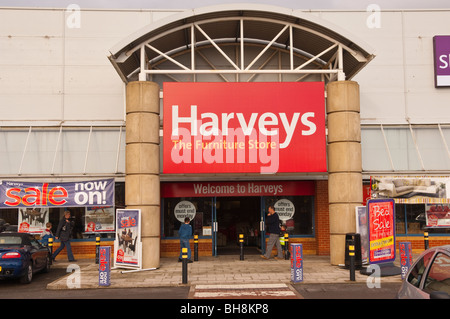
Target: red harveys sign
{"type": "Point", "coordinates": [236, 127]}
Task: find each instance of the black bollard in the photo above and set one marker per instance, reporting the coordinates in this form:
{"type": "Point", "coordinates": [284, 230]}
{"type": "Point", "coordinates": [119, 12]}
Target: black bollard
{"type": "Point", "coordinates": [195, 247]}
{"type": "Point", "coordinates": [241, 243]}
{"type": "Point", "coordinates": [184, 256]}
{"type": "Point", "coordinates": [425, 237]}
{"type": "Point", "coordinates": [351, 254]}
{"type": "Point", "coordinates": [97, 249]}
{"type": "Point", "coordinates": [50, 249]}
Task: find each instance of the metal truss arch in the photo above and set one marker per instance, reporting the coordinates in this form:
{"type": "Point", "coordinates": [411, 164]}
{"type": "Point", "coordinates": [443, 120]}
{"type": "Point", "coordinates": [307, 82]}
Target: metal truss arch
{"type": "Point", "coordinates": [182, 45]}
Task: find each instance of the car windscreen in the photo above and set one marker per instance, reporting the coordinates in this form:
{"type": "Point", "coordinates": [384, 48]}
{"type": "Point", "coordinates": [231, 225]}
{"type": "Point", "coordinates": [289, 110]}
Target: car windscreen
{"type": "Point", "coordinates": [10, 241]}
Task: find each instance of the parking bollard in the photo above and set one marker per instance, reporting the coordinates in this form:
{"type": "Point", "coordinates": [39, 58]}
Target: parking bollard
{"type": "Point", "coordinates": [184, 257]}
{"type": "Point", "coordinates": [425, 235]}
{"type": "Point", "coordinates": [97, 249]}
{"type": "Point", "coordinates": [241, 243]}
{"type": "Point", "coordinates": [286, 245]}
{"type": "Point", "coordinates": [50, 248]}
{"type": "Point", "coordinates": [195, 247]}
{"type": "Point", "coordinates": [351, 253]}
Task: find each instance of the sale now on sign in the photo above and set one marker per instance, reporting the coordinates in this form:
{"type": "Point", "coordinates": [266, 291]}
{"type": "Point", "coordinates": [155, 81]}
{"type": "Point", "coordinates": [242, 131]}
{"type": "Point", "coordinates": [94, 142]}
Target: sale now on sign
{"type": "Point", "coordinates": [381, 214]}
{"type": "Point", "coordinates": [236, 127]}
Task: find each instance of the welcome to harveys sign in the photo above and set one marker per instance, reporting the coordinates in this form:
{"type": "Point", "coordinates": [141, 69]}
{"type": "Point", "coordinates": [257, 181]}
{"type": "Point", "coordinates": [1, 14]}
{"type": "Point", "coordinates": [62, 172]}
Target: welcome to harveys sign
{"type": "Point", "coordinates": [259, 127]}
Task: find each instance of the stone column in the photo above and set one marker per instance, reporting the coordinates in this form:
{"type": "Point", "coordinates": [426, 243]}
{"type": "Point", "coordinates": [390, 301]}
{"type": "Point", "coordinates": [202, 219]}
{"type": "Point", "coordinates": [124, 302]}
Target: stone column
{"type": "Point", "coordinates": [142, 187]}
{"type": "Point", "coordinates": [344, 163]}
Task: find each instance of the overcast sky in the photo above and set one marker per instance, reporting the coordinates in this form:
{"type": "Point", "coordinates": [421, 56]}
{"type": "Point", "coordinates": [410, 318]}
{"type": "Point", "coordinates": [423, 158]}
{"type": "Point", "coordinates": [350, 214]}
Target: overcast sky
{"type": "Point", "coordinates": [189, 4]}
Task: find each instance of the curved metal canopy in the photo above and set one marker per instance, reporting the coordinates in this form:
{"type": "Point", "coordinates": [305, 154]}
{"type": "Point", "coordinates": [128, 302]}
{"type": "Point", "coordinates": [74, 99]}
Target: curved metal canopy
{"type": "Point", "coordinates": [171, 46]}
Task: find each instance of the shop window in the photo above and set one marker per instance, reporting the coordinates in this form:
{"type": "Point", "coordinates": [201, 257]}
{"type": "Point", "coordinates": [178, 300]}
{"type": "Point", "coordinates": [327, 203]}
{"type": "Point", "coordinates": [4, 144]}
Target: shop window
{"type": "Point", "coordinates": [295, 212]}
{"type": "Point", "coordinates": [199, 210]}
{"type": "Point", "coordinates": [411, 219]}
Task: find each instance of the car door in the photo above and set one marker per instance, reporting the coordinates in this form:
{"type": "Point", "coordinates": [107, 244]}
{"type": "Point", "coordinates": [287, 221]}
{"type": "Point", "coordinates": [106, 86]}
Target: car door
{"type": "Point", "coordinates": [38, 254]}
{"type": "Point", "coordinates": [437, 279]}
{"type": "Point", "coordinates": [412, 288]}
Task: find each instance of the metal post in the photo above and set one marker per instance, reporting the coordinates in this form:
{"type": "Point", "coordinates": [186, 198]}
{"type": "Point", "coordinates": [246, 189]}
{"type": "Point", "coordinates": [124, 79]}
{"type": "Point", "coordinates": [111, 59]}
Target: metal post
{"type": "Point", "coordinates": [425, 235]}
{"type": "Point", "coordinates": [50, 248]}
{"type": "Point", "coordinates": [241, 243]}
{"type": "Point", "coordinates": [184, 256]}
{"type": "Point", "coordinates": [351, 253]}
{"type": "Point", "coordinates": [97, 249]}
{"type": "Point", "coordinates": [195, 247]}
{"type": "Point", "coordinates": [286, 245]}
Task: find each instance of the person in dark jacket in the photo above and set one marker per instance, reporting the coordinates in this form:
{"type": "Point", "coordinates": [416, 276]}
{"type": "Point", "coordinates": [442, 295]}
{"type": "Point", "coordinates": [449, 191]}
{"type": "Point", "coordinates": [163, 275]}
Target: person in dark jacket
{"type": "Point", "coordinates": [64, 233]}
{"type": "Point", "coordinates": [273, 228]}
{"type": "Point", "coordinates": [185, 233]}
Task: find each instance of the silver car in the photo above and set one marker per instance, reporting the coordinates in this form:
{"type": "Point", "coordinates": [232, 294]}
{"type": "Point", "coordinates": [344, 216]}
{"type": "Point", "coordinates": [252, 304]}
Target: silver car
{"type": "Point", "coordinates": [429, 276]}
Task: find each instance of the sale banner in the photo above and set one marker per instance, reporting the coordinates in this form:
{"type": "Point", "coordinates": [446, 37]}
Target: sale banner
{"type": "Point", "coordinates": [42, 194]}
{"type": "Point", "coordinates": [296, 251]}
{"type": "Point", "coordinates": [104, 269]}
{"type": "Point", "coordinates": [261, 127]}
{"type": "Point", "coordinates": [381, 213]}
{"type": "Point", "coordinates": [406, 260]}
{"type": "Point", "coordinates": [127, 246]}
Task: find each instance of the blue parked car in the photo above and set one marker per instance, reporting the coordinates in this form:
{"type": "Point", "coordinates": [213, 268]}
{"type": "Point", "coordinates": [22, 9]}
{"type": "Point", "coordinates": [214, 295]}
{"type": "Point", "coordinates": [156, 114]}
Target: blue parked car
{"type": "Point", "coordinates": [21, 256]}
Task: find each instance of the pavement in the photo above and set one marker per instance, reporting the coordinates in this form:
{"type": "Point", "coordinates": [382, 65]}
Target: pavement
{"type": "Point", "coordinates": [211, 272]}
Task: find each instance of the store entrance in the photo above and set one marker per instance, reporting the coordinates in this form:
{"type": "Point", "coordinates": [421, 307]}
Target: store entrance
{"type": "Point", "coordinates": [238, 215]}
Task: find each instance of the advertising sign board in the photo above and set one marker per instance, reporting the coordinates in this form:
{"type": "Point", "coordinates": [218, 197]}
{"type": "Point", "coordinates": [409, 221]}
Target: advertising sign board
{"type": "Point", "coordinates": [381, 213]}
{"type": "Point", "coordinates": [127, 246]}
{"type": "Point", "coordinates": [441, 46]}
{"type": "Point", "coordinates": [296, 251]}
{"type": "Point", "coordinates": [104, 269]}
{"type": "Point", "coordinates": [437, 215]}
{"type": "Point", "coordinates": [258, 127]}
{"type": "Point", "coordinates": [41, 194]}
{"type": "Point", "coordinates": [405, 257]}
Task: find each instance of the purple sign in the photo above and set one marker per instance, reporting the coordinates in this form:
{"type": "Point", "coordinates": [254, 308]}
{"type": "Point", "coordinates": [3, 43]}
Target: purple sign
{"type": "Point", "coordinates": [41, 194]}
{"type": "Point", "coordinates": [296, 262]}
{"type": "Point", "coordinates": [104, 269]}
{"type": "Point", "coordinates": [441, 44]}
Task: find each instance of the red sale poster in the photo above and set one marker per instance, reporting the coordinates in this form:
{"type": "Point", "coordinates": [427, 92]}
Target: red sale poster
{"type": "Point", "coordinates": [381, 214]}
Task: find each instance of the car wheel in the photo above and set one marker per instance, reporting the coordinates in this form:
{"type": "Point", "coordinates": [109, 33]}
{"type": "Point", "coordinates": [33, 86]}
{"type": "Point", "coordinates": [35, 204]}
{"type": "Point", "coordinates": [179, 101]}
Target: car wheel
{"type": "Point", "coordinates": [28, 275]}
{"type": "Point", "coordinates": [47, 265]}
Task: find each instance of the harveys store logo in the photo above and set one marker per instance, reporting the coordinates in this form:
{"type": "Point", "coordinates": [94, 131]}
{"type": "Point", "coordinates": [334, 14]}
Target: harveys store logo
{"type": "Point", "coordinates": [259, 127]}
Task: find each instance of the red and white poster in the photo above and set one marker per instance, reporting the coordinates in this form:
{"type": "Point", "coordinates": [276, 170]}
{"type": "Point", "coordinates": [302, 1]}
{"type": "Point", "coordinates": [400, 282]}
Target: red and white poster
{"type": "Point", "coordinates": [381, 214]}
{"type": "Point", "coordinates": [261, 127]}
{"type": "Point", "coordinates": [437, 215]}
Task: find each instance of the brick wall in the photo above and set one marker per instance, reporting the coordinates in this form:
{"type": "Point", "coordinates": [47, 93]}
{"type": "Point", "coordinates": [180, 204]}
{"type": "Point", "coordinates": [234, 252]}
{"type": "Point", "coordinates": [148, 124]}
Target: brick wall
{"type": "Point", "coordinates": [322, 219]}
{"type": "Point", "coordinates": [171, 247]}
{"type": "Point", "coordinates": [418, 243]}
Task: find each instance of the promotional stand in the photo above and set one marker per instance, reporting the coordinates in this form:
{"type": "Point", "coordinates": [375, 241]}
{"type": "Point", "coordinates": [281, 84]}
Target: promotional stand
{"type": "Point", "coordinates": [127, 243]}
{"type": "Point", "coordinates": [381, 221]}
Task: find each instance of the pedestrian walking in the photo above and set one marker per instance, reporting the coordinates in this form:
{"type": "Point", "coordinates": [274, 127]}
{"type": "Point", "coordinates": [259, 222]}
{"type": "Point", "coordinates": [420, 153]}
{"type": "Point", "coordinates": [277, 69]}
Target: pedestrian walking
{"type": "Point", "coordinates": [64, 234]}
{"type": "Point", "coordinates": [185, 233]}
{"type": "Point", "coordinates": [273, 228]}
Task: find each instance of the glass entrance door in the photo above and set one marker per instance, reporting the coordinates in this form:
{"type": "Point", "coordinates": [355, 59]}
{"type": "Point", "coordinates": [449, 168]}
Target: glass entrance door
{"type": "Point", "coordinates": [233, 216]}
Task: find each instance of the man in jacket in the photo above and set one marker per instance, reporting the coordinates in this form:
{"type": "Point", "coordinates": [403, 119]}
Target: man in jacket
{"type": "Point", "coordinates": [185, 233]}
{"type": "Point", "coordinates": [273, 228]}
{"type": "Point", "coordinates": [64, 233]}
